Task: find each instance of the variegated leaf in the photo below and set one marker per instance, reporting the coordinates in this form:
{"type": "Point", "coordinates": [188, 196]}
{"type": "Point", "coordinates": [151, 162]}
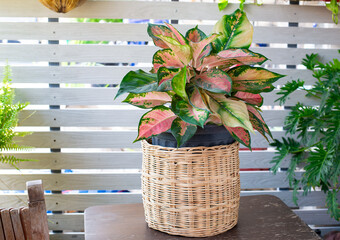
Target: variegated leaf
{"type": "Point", "coordinates": [215, 119]}
{"type": "Point", "coordinates": [188, 113]}
{"type": "Point", "coordinates": [236, 31]}
{"type": "Point", "coordinates": [244, 56]}
{"type": "Point", "coordinates": [214, 80]}
{"type": "Point", "coordinates": [214, 61]}
{"type": "Point", "coordinates": [154, 122]}
{"type": "Point", "coordinates": [148, 100]}
{"type": "Point", "coordinates": [165, 75]}
{"type": "Point", "coordinates": [252, 79]}
{"type": "Point", "coordinates": [258, 123]}
{"type": "Point", "coordinates": [241, 135]}
{"type": "Point", "coordinates": [166, 58]}
{"type": "Point", "coordinates": [183, 52]}
{"type": "Point", "coordinates": [195, 35]}
{"type": "Point", "coordinates": [178, 83]}
{"type": "Point", "coordinates": [195, 97]}
{"type": "Point", "coordinates": [232, 113]}
{"type": "Point", "coordinates": [138, 82]}
{"type": "Point", "coordinates": [197, 48]}
{"type": "Point", "coordinates": [255, 99]}
{"type": "Point", "coordinates": [156, 29]}
{"type": "Point", "coordinates": [182, 40]}
{"type": "Point", "coordinates": [182, 131]}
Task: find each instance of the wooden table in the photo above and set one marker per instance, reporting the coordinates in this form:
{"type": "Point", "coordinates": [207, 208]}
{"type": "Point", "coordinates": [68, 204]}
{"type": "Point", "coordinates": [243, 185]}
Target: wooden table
{"type": "Point", "coordinates": [261, 217]}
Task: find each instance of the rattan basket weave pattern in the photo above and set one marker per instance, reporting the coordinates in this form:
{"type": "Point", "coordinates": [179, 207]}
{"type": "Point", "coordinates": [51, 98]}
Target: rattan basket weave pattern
{"type": "Point", "coordinates": [192, 192]}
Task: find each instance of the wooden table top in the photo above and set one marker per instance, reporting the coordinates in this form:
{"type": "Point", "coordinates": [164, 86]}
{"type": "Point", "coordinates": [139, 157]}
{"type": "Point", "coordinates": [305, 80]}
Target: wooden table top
{"type": "Point", "coordinates": [260, 217]}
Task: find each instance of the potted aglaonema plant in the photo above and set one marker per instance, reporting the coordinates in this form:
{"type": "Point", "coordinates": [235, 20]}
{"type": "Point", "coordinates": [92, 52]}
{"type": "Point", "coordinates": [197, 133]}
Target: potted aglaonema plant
{"type": "Point", "coordinates": [199, 86]}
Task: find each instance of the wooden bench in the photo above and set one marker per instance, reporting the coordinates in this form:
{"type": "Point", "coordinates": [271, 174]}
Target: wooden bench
{"type": "Point", "coordinates": [26, 223]}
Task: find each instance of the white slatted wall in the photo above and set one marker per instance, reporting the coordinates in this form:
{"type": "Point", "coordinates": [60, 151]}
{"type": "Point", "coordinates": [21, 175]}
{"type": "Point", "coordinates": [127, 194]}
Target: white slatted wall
{"type": "Point", "coordinates": [101, 138]}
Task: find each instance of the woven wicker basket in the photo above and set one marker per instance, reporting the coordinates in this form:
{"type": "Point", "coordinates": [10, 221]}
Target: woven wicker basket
{"type": "Point", "coordinates": [192, 192]}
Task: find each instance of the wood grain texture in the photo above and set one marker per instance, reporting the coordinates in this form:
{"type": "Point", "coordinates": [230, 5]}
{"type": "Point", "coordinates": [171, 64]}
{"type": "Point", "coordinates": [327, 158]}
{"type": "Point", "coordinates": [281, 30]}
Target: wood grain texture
{"type": "Point", "coordinates": [26, 222]}
{"type": "Point", "coordinates": [16, 223]}
{"type": "Point", "coordinates": [168, 10]}
{"type": "Point", "coordinates": [129, 181]}
{"type": "Point", "coordinates": [2, 236]}
{"type": "Point", "coordinates": [37, 209]}
{"type": "Point", "coordinates": [81, 201]}
{"type": "Point", "coordinates": [137, 32]}
{"type": "Point", "coordinates": [133, 54]}
{"type": "Point", "coordinates": [7, 224]}
{"type": "Point", "coordinates": [69, 221]}
{"type": "Point", "coordinates": [67, 236]}
{"type": "Point", "coordinates": [107, 139]}
{"type": "Point", "coordinates": [105, 96]}
{"type": "Point", "coordinates": [108, 118]}
{"type": "Point", "coordinates": [111, 75]}
{"type": "Point", "coordinates": [120, 160]}
{"type": "Point", "coordinates": [316, 217]}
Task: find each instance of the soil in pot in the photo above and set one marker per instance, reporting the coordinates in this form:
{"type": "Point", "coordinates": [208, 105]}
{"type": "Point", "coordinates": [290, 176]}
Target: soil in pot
{"type": "Point", "coordinates": [210, 135]}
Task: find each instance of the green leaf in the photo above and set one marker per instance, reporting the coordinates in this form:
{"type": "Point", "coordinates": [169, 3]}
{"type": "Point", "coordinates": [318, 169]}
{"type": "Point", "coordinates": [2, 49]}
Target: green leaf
{"type": "Point", "coordinates": [138, 82]}
{"type": "Point", "coordinates": [195, 35]}
{"type": "Point", "coordinates": [148, 100]}
{"type": "Point", "coordinates": [236, 31]}
{"type": "Point", "coordinates": [166, 58]}
{"type": "Point", "coordinates": [332, 203]}
{"type": "Point", "coordinates": [165, 76]}
{"type": "Point", "coordinates": [196, 98]}
{"type": "Point", "coordinates": [257, 122]}
{"type": "Point", "coordinates": [188, 113]}
{"type": "Point", "coordinates": [214, 80]}
{"type": "Point", "coordinates": [179, 82]}
{"type": "Point", "coordinates": [222, 4]}
{"type": "Point", "coordinates": [241, 135]}
{"type": "Point", "coordinates": [288, 89]}
{"type": "Point", "coordinates": [182, 131]}
{"type": "Point", "coordinates": [253, 79]}
{"type": "Point", "coordinates": [155, 29]}
{"type": "Point", "coordinates": [233, 113]}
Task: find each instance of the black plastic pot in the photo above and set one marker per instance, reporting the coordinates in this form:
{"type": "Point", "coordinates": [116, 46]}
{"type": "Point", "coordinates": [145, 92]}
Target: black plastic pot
{"type": "Point", "coordinates": [210, 135]}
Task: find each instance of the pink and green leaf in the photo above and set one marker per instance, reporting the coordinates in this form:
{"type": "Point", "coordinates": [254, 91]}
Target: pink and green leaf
{"type": "Point", "coordinates": [188, 113]}
{"type": "Point", "coordinates": [195, 35]}
{"type": "Point", "coordinates": [155, 29]}
{"type": "Point", "coordinates": [258, 123]}
{"type": "Point", "coordinates": [183, 52]}
{"type": "Point", "coordinates": [214, 61]}
{"type": "Point", "coordinates": [214, 80]}
{"type": "Point", "coordinates": [255, 99]}
{"type": "Point", "coordinates": [198, 47]}
{"type": "Point", "coordinates": [182, 131]}
{"type": "Point", "coordinates": [232, 113]}
{"type": "Point", "coordinates": [236, 31]}
{"type": "Point", "coordinates": [252, 79]}
{"type": "Point", "coordinates": [244, 56]}
{"type": "Point", "coordinates": [166, 58]}
{"type": "Point", "coordinates": [154, 122]}
{"type": "Point", "coordinates": [241, 135]}
{"type": "Point", "coordinates": [195, 98]}
{"type": "Point", "coordinates": [215, 119]}
{"type": "Point", "coordinates": [148, 100]}
{"type": "Point", "coordinates": [165, 76]}
{"type": "Point", "coordinates": [178, 83]}
{"type": "Point", "coordinates": [182, 40]}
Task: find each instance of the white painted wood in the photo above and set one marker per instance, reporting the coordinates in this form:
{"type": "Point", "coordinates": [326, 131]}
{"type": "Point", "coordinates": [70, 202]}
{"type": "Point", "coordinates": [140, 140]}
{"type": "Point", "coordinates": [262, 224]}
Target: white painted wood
{"type": "Point", "coordinates": [105, 96]}
{"type": "Point", "coordinates": [79, 202]}
{"type": "Point", "coordinates": [109, 118]}
{"type": "Point", "coordinates": [133, 54]}
{"type": "Point", "coordinates": [106, 139]}
{"type": "Point", "coordinates": [119, 160]}
{"type": "Point", "coordinates": [168, 10]}
{"type": "Point", "coordinates": [111, 75]}
{"type": "Point", "coordinates": [67, 236]}
{"type": "Point", "coordinates": [316, 217]}
{"type": "Point", "coordinates": [125, 181]}
{"type": "Point", "coordinates": [138, 32]}
{"type": "Point", "coordinates": [69, 221]}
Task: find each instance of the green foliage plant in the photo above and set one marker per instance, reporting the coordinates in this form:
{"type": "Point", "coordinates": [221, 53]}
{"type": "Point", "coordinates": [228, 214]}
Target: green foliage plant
{"type": "Point", "coordinates": [317, 131]}
{"type": "Point", "coordinates": [198, 79]}
{"type": "Point", "coordinates": [9, 111]}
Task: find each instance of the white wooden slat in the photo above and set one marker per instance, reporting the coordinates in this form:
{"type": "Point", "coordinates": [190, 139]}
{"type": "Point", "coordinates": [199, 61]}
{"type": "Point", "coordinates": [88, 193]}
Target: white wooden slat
{"type": "Point", "coordinates": [105, 96]}
{"type": "Point", "coordinates": [111, 75]}
{"type": "Point", "coordinates": [67, 236]}
{"type": "Point", "coordinates": [108, 118]}
{"type": "Point", "coordinates": [123, 181]}
{"type": "Point", "coordinates": [106, 139]}
{"type": "Point", "coordinates": [132, 54]}
{"type": "Point", "coordinates": [316, 217]}
{"type": "Point", "coordinates": [69, 221]}
{"type": "Point", "coordinates": [137, 32]}
{"type": "Point", "coordinates": [119, 160]}
{"type": "Point", "coordinates": [81, 201]}
{"type": "Point", "coordinates": [168, 10]}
